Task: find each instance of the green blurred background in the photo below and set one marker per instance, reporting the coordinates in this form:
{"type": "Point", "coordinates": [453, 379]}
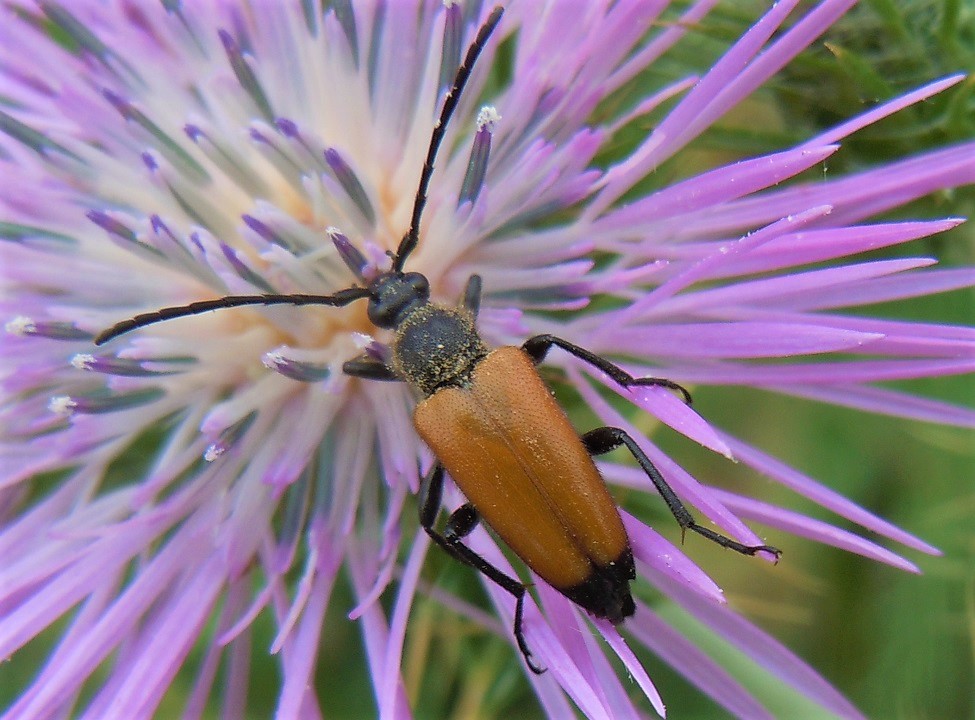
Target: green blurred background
{"type": "Point", "coordinates": [898, 645]}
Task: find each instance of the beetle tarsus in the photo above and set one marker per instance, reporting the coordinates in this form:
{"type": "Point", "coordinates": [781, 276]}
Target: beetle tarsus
{"type": "Point", "coordinates": [733, 545]}
{"type": "Point", "coordinates": [519, 637]}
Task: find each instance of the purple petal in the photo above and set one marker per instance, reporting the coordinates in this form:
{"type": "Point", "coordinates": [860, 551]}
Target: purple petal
{"type": "Point", "coordinates": [853, 197]}
{"type": "Point", "coordinates": [710, 266]}
{"type": "Point", "coordinates": [817, 530]}
{"type": "Point", "coordinates": [236, 678]}
{"type": "Point", "coordinates": [794, 289]}
{"type": "Point", "coordinates": [389, 674]}
{"type": "Point", "coordinates": [633, 665]}
{"type": "Point", "coordinates": [569, 628]}
{"type": "Point", "coordinates": [769, 61]}
{"type": "Point", "coordinates": [302, 590]}
{"type": "Point", "coordinates": [811, 246]}
{"type": "Point", "coordinates": [899, 338]}
{"type": "Point", "coordinates": [375, 635]}
{"type": "Point", "coordinates": [663, 404]}
{"type": "Point", "coordinates": [397, 439]}
{"type": "Point", "coordinates": [75, 660]}
{"type": "Point", "coordinates": [775, 377]}
{"type": "Point", "coordinates": [738, 73]}
{"type": "Point", "coordinates": [824, 496]}
{"type": "Point", "coordinates": [687, 659]}
{"type": "Point", "coordinates": [666, 38]}
{"type": "Point", "coordinates": [849, 127]}
{"type": "Point", "coordinates": [738, 340]}
{"type": "Point", "coordinates": [887, 402]}
{"type": "Point", "coordinates": [545, 647]}
{"type": "Point", "coordinates": [300, 649]}
{"type": "Point", "coordinates": [206, 674]}
{"type": "Point", "coordinates": [663, 556]}
{"type": "Point", "coordinates": [168, 639]}
{"type": "Point", "coordinates": [885, 289]}
{"type": "Point", "coordinates": [561, 667]}
{"type": "Point", "coordinates": [715, 187]}
{"type": "Point", "coordinates": [760, 647]}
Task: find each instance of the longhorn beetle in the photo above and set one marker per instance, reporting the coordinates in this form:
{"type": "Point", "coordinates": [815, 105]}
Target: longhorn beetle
{"type": "Point", "coordinates": [491, 422]}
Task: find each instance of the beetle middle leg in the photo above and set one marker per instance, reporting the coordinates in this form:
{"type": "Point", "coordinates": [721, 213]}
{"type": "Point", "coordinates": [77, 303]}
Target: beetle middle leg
{"type": "Point", "coordinates": [460, 524]}
{"type": "Point", "coordinates": [538, 346]}
{"type": "Point", "coordinates": [605, 439]}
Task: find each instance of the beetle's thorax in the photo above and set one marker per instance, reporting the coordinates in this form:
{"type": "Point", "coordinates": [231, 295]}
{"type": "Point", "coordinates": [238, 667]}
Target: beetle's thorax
{"type": "Point", "coordinates": [437, 346]}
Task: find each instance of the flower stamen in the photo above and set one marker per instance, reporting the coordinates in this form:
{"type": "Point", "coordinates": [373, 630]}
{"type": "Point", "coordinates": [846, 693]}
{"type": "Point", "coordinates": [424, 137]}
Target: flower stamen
{"type": "Point", "coordinates": [487, 118]}
{"type": "Point", "coordinates": [351, 184]}
{"type": "Point", "coordinates": [299, 370]}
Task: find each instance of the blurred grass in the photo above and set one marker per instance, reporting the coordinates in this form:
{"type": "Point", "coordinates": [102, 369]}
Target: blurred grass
{"type": "Point", "coordinates": [898, 645]}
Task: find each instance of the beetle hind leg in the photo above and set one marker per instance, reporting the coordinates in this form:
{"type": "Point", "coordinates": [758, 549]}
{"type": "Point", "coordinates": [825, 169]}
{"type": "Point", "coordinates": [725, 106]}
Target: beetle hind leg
{"type": "Point", "coordinates": [605, 439]}
{"type": "Point", "coordinates": [460, 524]}
{"type": "Point", "coordinates": [538, 346]}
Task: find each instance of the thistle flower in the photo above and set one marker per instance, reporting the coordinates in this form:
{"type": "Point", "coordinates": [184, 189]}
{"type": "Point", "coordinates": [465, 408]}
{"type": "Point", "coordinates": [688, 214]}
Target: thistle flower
{"type": "Point", "coordinates": [169, 489]}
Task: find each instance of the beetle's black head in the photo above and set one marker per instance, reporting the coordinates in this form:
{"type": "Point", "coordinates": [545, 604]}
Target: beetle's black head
{"type": "Point", "coordinates": [394, 295]}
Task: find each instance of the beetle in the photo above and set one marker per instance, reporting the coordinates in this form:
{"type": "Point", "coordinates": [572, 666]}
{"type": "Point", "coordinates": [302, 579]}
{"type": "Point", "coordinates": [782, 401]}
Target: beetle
{"type": "Point", "coordinates": [491, 422]}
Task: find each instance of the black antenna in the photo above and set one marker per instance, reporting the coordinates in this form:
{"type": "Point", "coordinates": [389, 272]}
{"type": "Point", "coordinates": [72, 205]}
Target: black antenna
{"type": "Point", "coordinates": [342, 297]}
{"type": "Point", "coordinates": [351, 294]}
{"type": "Point", "coordinates": [409, 241]}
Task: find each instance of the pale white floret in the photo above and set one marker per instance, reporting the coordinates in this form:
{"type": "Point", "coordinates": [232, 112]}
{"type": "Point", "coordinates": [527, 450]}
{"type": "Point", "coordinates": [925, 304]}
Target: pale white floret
{"type": "Point", "coordinates": [213, 452]}
{"type": "Point", "coordinates": [274, 359]}
{"type": "Point", "coordinates": [488, 117]}
{"type": "Point", "coordinates": [20, 325]}
{"type": "Point", "coordinates": [62, 405]}
{"type": "Point", "coordinates": [83, 361]}
{"type": "Point", "coordinates": [362, 340]}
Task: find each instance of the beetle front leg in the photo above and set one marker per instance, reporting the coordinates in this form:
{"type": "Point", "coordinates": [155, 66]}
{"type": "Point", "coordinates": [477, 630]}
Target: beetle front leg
{"type": "Point", "coordinates": [605, 439]}
{"type": "Point", "coordinates": [460, 524]}
{"type": "Point", "coordinates": [368, 368]}
{"type": "Point", "coordinates": [472, 294]}
{"type": "Point", "coordinates": [537, 347]}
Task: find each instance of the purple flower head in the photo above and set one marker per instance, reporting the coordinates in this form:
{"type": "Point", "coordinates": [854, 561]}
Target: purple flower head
{"type": "Point", "coordinates": [166, 491]}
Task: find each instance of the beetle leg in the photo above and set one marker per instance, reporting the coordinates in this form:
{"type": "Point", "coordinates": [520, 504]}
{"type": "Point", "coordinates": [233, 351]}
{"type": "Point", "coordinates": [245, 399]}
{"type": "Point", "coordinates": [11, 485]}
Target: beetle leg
{"type": "Point", "coordinates": [537, 347]}
{"type": "Point", "coordinates": [369, 369]}
{"type": "Point", "coordinates": [472, 294]}
{"type": "Point", "coordinates": [431, 494]}
{"type": "Point", "coordinates": [461, 522]}
{"type": "Point", "coordinates": [605, 439]}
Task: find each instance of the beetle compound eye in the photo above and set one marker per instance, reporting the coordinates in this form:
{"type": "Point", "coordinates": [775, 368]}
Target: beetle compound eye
{"type": "Point", "coordinates": [419, 283]}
